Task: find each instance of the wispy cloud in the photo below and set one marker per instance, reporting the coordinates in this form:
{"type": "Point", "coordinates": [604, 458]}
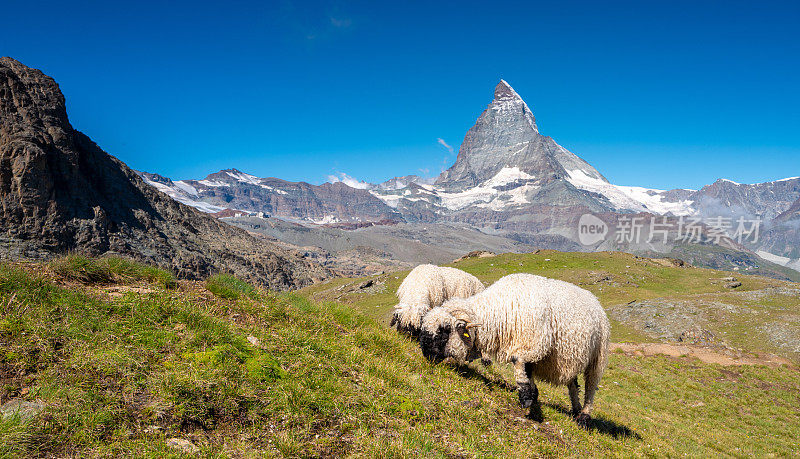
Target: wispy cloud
{"type": "Point", "coordinates": [349, 181]}
{"type": "Point", "coordinates": [341, 23]}
{"type": "Point", "coordinates": [448, 157]}
{"type": "Point", "coordinates": [444, 144]}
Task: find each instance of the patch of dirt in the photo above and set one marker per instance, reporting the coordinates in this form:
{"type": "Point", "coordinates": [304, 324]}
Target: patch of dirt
{"type": "Point", "coordinates": [665, 262]}
{"type": "Point", "coordinates": [477, 254]}
{"type": "Point", "coordinates": [370, 286]}
{"type": "Point", "coordinates": [703, 354]}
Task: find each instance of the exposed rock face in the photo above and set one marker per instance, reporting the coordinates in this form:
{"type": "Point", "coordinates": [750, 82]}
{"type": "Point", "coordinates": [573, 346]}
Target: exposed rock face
{"type": "Point", "coordinates": [59, 191]}
{"type": "Point", "coordinates": [766, 200]}
{"type": "Point", "coordinates": [506, 135]}
{"type": "Point", "coordinates": [782, 237]}
{"type": "Point", "coordinates": [234, 189]}
{"type": "Point", "coordinates": [792, 213]}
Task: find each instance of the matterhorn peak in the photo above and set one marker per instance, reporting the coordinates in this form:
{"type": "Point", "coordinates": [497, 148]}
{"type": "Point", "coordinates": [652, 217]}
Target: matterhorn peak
{"type": "Point", "coordinates": [504, 91]}
{"type": "Point", "coordinates": [506, 136]}
{"type": "Point", "coordinates": [506, 99]}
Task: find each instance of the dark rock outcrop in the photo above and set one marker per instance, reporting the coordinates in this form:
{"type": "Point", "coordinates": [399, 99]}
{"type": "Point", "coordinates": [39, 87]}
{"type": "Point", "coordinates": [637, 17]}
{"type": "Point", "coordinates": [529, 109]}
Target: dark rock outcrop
{"type": "Point", "coordinates": [60, 192]}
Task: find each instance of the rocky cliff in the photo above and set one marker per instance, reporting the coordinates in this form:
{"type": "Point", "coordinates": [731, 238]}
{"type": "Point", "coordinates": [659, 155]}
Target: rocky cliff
{"type": "Point", "coordinates": [60, 192]}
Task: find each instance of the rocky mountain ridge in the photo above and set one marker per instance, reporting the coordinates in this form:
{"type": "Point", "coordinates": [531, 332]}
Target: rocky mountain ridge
{"type": "Point", "coordinates": [61, 192]}
{"type": "Point", "coordinates": [234, 189]}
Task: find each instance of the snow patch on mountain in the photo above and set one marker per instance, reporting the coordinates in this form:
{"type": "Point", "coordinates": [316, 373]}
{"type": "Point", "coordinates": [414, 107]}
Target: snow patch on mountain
{"type": "Point", "coordinates": [186, 188]}
{"type": "Point", "coordinates": [631, 198]}
{"type": "Point", "coordinates": [213, 183]}
{"type": "Point", "coordinates": [244, 178]}
{"type": "Point", "coordinates": [181, 192]}
{"type": "Point", "coordinates": [783, 261]}
{"type": "Point", "coordinates": [495, 193]}
{"type": "Point", "coordinates": [352, 182]}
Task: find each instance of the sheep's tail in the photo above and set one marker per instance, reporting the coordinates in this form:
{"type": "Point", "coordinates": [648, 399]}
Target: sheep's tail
{"type": "Point", "coordinates": [595, 371]}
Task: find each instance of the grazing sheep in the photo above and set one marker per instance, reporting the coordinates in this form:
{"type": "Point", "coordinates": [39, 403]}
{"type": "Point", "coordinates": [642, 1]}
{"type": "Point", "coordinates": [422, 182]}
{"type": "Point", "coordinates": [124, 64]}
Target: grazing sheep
{"type": "Point", "coordinates": [548, 329]}
{"type": "Point", "coordinates": [428, 286]}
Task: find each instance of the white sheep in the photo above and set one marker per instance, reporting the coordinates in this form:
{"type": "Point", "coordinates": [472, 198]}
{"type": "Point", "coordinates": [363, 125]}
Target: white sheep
{"type": "Point", "coordinates": [548, 329]}
{"type": "Point", "coordinates": [428, 286]}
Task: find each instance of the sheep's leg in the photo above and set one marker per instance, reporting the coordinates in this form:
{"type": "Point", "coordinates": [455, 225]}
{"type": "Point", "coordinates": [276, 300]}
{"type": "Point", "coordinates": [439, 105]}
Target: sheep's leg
{"type": "Point", "coordinates": [528, 393]}
{"type": "Point", "coordinates": [591, 380]}
{"type": "Point", "coordinates": [585, 416]}
{"type": "Point", "coordinates": [574, 396]}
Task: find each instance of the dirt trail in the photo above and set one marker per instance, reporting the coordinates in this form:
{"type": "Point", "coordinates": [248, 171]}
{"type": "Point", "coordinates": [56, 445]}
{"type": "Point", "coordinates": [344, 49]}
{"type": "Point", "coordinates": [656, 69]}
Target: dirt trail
{"type": "Point", "coordinates": [702, 353]}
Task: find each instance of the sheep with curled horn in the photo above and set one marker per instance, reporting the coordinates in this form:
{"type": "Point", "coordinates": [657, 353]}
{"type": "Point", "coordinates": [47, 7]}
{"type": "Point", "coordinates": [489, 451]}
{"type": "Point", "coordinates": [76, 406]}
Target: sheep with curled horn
{"type": "Point", "coordinates": [428, 286]}
{"type": "Point", "coordinates": [548, 329]}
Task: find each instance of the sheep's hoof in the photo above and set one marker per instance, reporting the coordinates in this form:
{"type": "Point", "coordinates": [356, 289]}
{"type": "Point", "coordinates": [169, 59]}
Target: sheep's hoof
{"type": "Point", "coordinates": [527, 395]}
{"type": "Point", "coordinates": [583, 420]}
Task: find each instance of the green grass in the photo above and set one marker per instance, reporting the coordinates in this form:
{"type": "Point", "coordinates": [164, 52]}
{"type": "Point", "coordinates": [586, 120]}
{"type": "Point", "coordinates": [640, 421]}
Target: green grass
{"type": "Point", "coordinates": [81, 268]}
{"type": "Point", "coordinates": [229, 287]}
{"type": "Point", "coordinates": [121, 375]}
{"type": "Point", "coordinates": [126, 269]}
{"type": "Point", "coordinates": [107, 270]}
{"type": "Point", "coordinates": [616, 278]}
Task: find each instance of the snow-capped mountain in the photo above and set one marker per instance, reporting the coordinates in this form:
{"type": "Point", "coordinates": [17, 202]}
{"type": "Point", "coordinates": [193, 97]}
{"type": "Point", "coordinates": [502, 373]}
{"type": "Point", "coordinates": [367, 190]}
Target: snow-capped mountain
{"type": "Point", "coordinates": [234, 189]}
{"type": "Point", "coordinates": [508, 178]}
{"type": "Point", "coordinates": [504, 165]}
{"type": "Point", "coordinates": [506, 136]}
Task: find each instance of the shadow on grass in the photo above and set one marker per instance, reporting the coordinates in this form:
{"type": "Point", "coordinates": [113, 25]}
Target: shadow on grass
{"type": "Point", "coordinates": [600, 424]}
{"type": "Point", "coordinates": [495, 382]}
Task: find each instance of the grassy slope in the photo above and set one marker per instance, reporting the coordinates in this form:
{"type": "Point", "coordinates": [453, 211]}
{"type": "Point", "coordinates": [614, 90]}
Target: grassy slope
{"type": "Point", "coordinates": [326, 379]}
{"type": "Point", "coordinates": [616, 278]}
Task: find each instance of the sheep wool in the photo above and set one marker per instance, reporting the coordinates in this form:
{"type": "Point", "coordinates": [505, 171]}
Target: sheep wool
{"type": "Point", "coordinates": [548, 329]}
{"type": "Point", "coordinates": [428, 286]}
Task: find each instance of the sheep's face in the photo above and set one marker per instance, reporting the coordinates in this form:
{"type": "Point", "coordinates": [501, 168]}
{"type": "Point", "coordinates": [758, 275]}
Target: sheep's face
{"type": "Point", "coordinates": [443, 336]}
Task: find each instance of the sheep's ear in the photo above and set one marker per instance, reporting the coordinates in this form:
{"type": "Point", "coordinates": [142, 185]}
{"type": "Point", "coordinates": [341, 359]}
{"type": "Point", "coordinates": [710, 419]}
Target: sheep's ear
{"type": "Point", "coordinates": [462, 330]}
{"type": "Point", "coordinates": [472, 325]}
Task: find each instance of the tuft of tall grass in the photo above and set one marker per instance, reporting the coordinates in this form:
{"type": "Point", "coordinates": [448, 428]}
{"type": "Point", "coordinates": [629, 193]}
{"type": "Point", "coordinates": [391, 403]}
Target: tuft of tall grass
{"type": "Point", "coordinates": [106, 270]}
{"type": "Point", "coordinates": [125, 268]}
{"type": "Point", "coordinates": [229, 287]}
{"type": "Point", "coordinates": [82, 269]}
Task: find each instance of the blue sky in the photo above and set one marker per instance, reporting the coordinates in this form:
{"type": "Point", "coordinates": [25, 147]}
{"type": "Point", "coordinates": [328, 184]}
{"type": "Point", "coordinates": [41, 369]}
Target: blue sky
{"type": "Point", "coordinates": [662, 94]}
